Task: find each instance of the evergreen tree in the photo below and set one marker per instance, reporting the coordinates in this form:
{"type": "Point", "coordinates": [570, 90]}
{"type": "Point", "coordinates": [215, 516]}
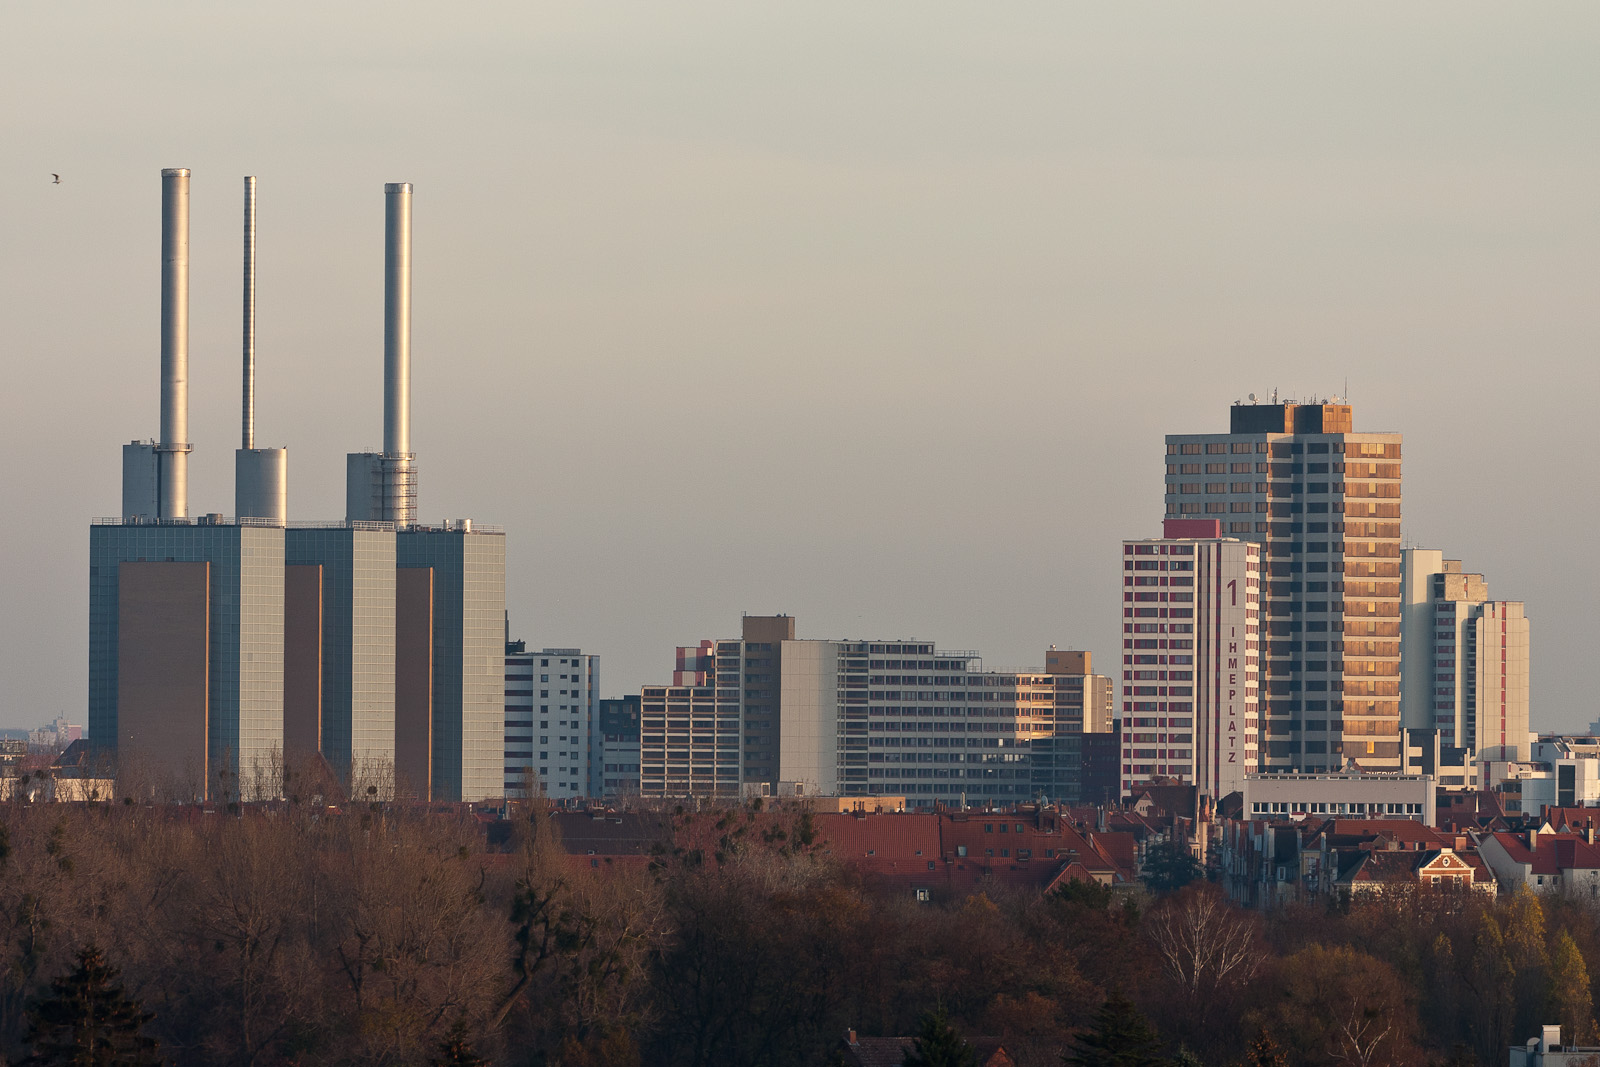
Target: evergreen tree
{"type": "Point", "coordinates": [88, 1021]}
{"type": "Point", "coordinates": [456, 1051]}
{"type": "Point", "coordinates": [1169, 866]}
{"type": "Point", "coordinates": [1489, 975]}
{"type": "Point", "coordinates": [1120, 1037]}
{"type": "Point", "coordinates": [939, 1045]}
{"type": "Point", "coordinates": [1571, 1001]}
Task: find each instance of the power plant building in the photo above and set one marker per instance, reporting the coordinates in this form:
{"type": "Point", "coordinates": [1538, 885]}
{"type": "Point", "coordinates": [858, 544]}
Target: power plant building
{"type": "Point", "coordinates": [220, 650]}
{"type": "Point", "coordinates": [356, 564]}
{"type": "Point", "coordinates": [466, 568]}
{"type": "Point", "coordinates": [202, 651]}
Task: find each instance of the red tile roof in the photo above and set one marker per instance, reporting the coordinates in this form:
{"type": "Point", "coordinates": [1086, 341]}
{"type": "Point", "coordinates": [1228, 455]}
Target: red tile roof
{"type": "Point", "coordinates": [1553, 854]}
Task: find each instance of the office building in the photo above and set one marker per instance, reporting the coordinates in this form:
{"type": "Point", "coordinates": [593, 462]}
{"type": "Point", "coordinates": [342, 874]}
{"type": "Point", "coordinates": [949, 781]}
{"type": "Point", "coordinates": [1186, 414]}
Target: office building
{"type": "Point", "coordinates": [551, 704]}
{"type": "Point", "coordinates": [1370, 796]}
{"type": "Point", "coordinates": [1061, 759]}
{"type": "Point", "coordinates": [1323, 501]}
{"type": "Point", "coordinates": [1465, 659]}
{"type": "Point", "coordinates": [828, 717]}
{"type": "Point", "coordinates": [689, 731]}
{"type": "Point", "coordinates": [1451, 766]}
{"type": "Point", "coordinates": [1191, 659]}
{"type": "Point", "coordinates": [1558, 771]}
{"type": "Point", "coordinates": [618, 745]}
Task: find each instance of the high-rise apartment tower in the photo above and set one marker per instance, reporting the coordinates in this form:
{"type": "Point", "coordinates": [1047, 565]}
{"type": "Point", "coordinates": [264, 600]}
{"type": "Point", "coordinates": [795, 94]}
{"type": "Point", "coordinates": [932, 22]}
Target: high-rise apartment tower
{"type": "Point", "coordinates": [1323, 501]}
{"type": "Point", "coordinates": [1191, 617]}
{"type": "Point", "coordinates": [1465, 659]}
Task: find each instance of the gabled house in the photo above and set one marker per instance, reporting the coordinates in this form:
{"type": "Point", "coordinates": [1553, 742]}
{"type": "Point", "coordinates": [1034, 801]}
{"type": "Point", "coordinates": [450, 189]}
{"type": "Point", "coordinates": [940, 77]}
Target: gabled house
{"type": "Point", "coordinates": [1370, 872]}
{"type": "Point", "coordinates": [1540, 860]}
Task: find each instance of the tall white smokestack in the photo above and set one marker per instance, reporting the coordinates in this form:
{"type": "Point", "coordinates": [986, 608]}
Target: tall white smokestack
{"type": "Point", "coordinates": [260, 475]}
{"type": "Point", "coordinates": [397, 319]}
{"type": "Point", "coordinates": [173, 449]}
{"type": "Point", "coordinates": [249, 413]}
{"type": "Point", "coordinates": [382, 486]}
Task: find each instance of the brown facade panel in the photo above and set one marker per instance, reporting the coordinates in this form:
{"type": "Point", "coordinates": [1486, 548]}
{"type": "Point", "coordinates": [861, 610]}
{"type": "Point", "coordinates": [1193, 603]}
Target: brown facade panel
{"type": "Point", "coordinates": [769, 628]}
{"type": "Point", "coordinates": [1067, 662]}
{"type": "Point", "coordinates": [302, 662]}
{"type": "Point", "coordinates": [163, 677]}
{"type": "Point", "coordinates": [413, 682]}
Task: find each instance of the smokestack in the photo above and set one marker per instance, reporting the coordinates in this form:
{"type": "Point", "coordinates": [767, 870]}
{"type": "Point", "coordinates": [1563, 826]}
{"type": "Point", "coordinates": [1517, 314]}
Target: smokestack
{"type": "Point", "coordinates": [173, 450]}
{"type": "Point", "coordinates": [382, 486]}
{"type": "Point", "coordinates": [260, 475]}
{"type": "Point", "coordinates": [249, 435]}
{"type": "Point", "coordinates": [397, 320]}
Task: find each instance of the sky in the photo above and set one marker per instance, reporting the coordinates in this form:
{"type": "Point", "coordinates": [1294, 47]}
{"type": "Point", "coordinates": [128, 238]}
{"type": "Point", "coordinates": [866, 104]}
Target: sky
{"type": "Point", "coordinates": [870, 314]}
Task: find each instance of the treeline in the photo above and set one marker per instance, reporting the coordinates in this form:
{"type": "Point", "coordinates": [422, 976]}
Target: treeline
{"type": "Point", "coordinates": [384, 937]}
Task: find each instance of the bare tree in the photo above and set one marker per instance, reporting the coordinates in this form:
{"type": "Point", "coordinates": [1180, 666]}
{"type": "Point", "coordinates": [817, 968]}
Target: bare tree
{"type": "Point", "coordinates": [1203, 941]}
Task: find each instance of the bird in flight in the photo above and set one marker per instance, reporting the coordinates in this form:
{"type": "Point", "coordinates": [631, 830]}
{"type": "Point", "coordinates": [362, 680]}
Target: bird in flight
{"type": "Point", "coordinates": [57, 178]}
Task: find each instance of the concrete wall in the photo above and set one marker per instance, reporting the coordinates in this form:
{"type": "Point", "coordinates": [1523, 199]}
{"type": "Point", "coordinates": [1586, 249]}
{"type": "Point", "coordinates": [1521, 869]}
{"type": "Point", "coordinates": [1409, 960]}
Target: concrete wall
{"type": "Point", "coordinates": [809, 715]}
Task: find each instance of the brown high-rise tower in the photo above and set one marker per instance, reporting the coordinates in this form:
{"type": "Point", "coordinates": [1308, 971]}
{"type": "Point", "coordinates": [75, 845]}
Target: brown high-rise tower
{"type": "Point", "coordinates": [1324, 502]}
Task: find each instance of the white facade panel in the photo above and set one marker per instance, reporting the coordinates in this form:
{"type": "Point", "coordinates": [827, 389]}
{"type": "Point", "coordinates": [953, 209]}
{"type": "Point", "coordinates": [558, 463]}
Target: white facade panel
{"type": "Point", "coordinates": [809, 722]}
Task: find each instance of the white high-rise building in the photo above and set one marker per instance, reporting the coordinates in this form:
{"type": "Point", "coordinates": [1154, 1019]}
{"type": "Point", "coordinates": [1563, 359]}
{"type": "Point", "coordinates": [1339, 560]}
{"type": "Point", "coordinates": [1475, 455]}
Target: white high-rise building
{"type": "Point", "coordinates": [1191, 654]}
{"type": "Point", "coordinates": [1465, 659]}
{"type": "Point", "coordinates": [552, 702]}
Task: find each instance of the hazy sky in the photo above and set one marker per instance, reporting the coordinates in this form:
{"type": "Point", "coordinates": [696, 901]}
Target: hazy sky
{"type": "Point", "coordinates": [870, 313]}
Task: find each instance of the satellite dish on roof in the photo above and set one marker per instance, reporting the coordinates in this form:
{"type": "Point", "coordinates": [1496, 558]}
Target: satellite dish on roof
{"type": "Point", "coordinates": [1252, 398]}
